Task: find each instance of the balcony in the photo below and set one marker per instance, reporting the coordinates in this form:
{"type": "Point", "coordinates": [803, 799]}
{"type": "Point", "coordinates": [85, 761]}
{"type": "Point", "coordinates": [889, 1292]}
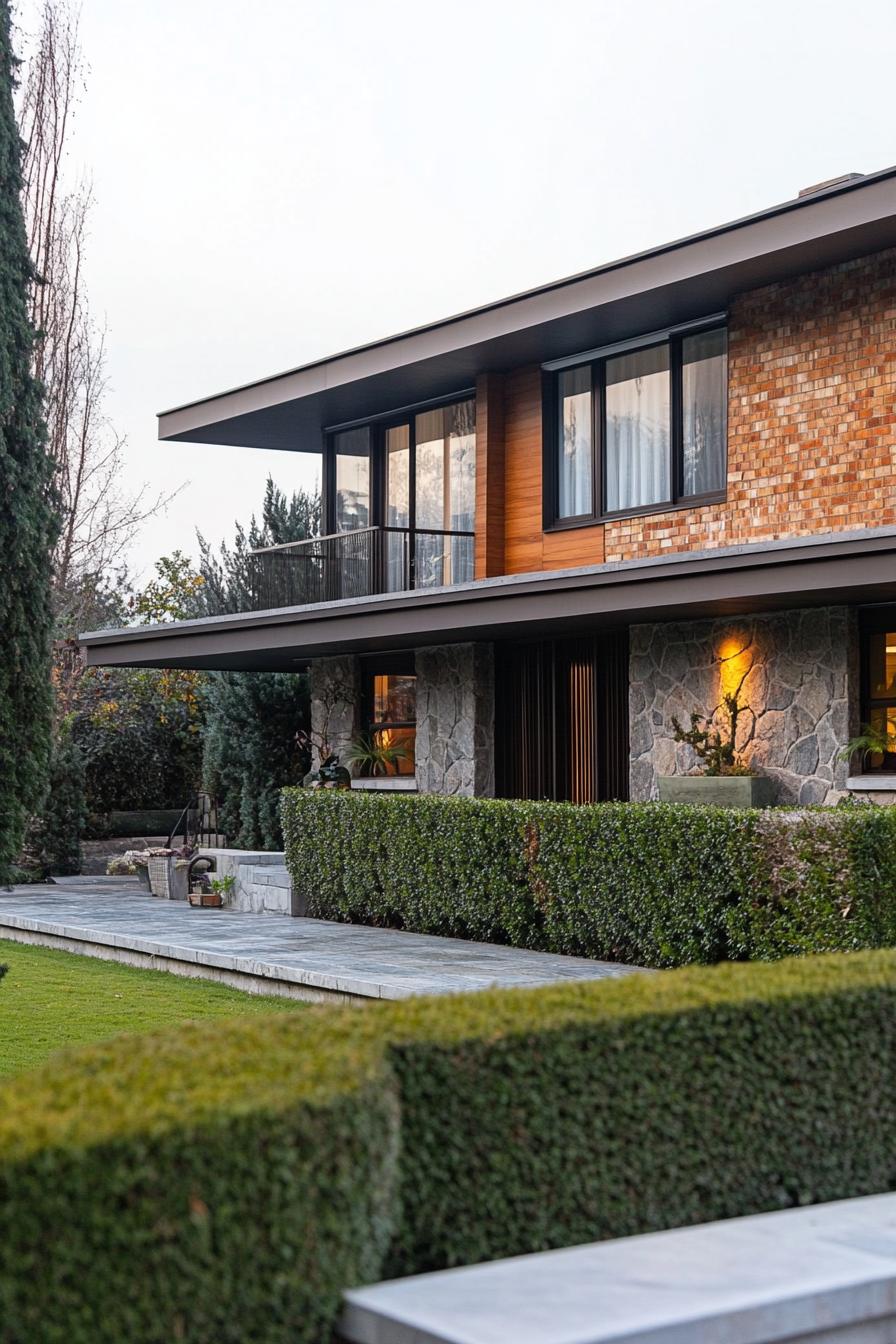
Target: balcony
{"type": "Point", "coordinates": [360, 563]}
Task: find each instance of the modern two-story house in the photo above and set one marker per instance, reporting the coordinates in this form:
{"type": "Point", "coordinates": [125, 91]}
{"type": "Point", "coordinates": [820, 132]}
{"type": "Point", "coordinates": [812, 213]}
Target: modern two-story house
{"type": "Point", "coordinates": [557, 522]}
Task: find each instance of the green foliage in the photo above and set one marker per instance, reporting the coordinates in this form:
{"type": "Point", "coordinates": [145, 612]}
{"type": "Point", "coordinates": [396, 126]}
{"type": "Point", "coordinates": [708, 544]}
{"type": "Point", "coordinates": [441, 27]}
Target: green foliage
{"type": "Point", "coordinates": [254, 720]}
{"type": "Point", "coordinates": [175, 594]}
{"type": "Point", "coordinates": [651, 884]}
{"type": "Point", "coordinates": [139, 735]}
{"type": "Point", "coordinates": [251, 750]}
{"type": "Point", "coordinates": [717, 752]}
{"type": "Point", "coordinates": [227, 572]}
{"type": "Point", "coordinates": [53, 843]}
{"type": "Point", "coordinates": [871, 741]}
{"type": "Point", "coordinates": [373, 756]}
{"type": "Point", "coordinates": [28, 524]}
{"type": "Point", "coordinates": [254, 1171]}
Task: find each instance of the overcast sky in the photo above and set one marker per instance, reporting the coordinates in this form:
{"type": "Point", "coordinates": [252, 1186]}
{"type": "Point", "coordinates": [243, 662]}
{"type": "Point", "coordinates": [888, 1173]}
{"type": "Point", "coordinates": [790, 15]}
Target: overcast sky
{"type": "Point", "coordinates": [280, 180]}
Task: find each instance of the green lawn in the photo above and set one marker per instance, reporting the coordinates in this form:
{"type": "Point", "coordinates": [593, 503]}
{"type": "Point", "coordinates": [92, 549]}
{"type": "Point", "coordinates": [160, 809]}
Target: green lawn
{"type": "Point", "coordinates": [53, 999]}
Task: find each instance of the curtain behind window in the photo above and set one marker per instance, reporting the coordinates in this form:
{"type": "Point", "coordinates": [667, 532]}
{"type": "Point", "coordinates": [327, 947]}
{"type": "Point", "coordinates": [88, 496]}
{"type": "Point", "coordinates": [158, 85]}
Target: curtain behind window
{"type": "Point", "coordinates": [637, 429]}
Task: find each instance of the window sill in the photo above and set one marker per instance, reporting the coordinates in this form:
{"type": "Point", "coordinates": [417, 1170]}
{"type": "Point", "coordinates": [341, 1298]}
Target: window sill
{"type": "Point", "coordinates": [387, 784]}
{"type": "Point", "coordinates": [882, 783]}
{"type": "Point", "coordinates": [646, 511]}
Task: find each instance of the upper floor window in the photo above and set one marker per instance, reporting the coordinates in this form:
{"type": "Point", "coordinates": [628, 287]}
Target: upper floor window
{"type": "Point", "coordinates": [641, 430]}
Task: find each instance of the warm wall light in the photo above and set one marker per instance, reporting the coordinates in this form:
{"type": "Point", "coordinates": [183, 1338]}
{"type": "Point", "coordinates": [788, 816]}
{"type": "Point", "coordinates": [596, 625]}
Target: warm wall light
{"type": "Point", "coordinates": [735, 662]}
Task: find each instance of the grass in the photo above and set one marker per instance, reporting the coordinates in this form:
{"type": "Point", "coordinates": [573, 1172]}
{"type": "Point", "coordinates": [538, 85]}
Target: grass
{"type": "Point", "coordinates": [50, 1000]}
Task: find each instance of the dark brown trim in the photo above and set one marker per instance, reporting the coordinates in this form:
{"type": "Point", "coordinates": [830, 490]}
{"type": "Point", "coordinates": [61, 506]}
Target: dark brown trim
{"type": "Point", "coordinates": [848, 568]}
{"type": "Point", "coordinates": [663, 287]}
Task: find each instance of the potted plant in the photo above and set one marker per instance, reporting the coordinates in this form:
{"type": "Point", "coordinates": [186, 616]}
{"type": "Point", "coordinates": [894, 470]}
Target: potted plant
{"type": "Point", "coordinates": [724, 780]}
{"type": "Point", "coordinates": [375, 758]}
{"type": "Point", "coordinates": [168, 872]}
{"type": "Point", "coordinates": [208, 892]}
{"type": "Point", "coordinates": [872, 746]}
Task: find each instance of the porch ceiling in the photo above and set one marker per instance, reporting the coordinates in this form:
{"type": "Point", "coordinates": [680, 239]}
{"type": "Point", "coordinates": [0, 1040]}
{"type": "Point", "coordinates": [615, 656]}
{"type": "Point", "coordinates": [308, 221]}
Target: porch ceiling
{"type": "Point", "coordinates": [674, 283]}
{"type": "Point", "coordinates": [851, 568]}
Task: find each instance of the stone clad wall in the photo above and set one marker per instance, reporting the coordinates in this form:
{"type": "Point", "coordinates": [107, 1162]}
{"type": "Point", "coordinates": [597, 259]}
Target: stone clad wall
{"type": "Point", "coordinates": [455, 719]}
{"type": "Point", "coordinates": [796, 673]}
{"type": "Point", "coordinates": [335, 692]}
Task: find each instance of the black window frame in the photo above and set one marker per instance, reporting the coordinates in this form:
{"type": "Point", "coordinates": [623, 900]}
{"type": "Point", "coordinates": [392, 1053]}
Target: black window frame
{"type": "Point", "coordinates": [377, 429]}
{"type": "Point", "coordinates": [551, 437]}
{"type": "Point", "coordinates": [874, 622]}
{"type": "Point", "coordinates": [386, 665]}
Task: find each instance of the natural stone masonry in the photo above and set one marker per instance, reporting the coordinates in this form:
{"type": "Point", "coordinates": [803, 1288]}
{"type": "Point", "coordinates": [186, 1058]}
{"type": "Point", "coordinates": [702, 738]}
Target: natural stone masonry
{"type": "Point", "coordinates": [795, 673]}
{"type": "Point", "coordinates": [456, 719]}
{"type": "Point", "coordinates": [335, 692]}
{"type": "Point", "coordinates": [811, 416]}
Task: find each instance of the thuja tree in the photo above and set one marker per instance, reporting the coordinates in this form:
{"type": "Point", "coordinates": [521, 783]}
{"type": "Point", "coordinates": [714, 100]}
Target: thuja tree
{"type": "Point", "coordinates": [254, 721]}
{"type": "Point", "coordinates": [27, 517]}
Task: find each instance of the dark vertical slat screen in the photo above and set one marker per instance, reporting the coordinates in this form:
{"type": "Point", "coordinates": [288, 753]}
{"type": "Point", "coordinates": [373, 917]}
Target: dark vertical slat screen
{"type": "Point", "coordinates": [562, 718]}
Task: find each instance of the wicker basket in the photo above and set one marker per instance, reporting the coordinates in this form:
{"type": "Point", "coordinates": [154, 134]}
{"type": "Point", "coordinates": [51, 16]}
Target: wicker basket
{"type": "Point", "coordinates": [168, 878]}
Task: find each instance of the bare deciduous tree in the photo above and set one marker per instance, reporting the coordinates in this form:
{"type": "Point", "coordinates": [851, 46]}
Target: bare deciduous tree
{"type": "Point", "coordinates": [99, 517]}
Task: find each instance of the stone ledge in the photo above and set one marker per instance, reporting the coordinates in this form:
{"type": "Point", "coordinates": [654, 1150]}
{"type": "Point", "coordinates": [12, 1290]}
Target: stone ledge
{"type": "Point", "coordinates": [872, 784]}
{"type": "Point", "coordinates": [826, 1273]}
{"type": "Point", "coordinates": [389, 784]}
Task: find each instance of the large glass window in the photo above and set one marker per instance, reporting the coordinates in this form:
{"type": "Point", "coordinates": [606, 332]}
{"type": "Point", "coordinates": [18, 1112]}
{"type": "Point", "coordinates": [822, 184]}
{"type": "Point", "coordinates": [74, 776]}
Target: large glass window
{"type": "Point", "coordinates": [411, 482]}
{"type": "Point", "coordinates": [637, 429]}
{"type": "Point", "coordinates": [879, 691]}
{"type": "Point", "coordinates": [445, 441]}
{"type": "Point", "coordinates": [704, 401]}
{"type": "Point", "coordinates": [643, 429]}
{"type": "Point", "coordinates": [575, 480]}
{"type": "Point", "coordinates": [352, 479]}
{"type": "Point", "coordinates": [390, 695]}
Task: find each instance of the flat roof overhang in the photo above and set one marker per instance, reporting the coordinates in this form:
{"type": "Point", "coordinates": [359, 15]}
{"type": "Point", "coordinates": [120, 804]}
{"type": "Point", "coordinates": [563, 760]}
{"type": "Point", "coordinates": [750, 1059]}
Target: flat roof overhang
{"type": "Point", "coordinates": [838, 568]}
{"type": "Point", "coordinates": [675, 283]}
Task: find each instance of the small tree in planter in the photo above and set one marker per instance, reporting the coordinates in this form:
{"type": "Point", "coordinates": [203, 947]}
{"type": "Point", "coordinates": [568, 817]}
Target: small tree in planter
{"type": "Point", "coordinates": [724, 780]}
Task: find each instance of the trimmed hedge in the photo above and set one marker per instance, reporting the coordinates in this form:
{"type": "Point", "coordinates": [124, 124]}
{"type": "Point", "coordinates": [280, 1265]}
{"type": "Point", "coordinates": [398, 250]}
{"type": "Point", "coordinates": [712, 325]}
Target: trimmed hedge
{"type": "Point", "coordinates": [226, 1184]}
{"type": "Point", "coordinates": [654, 884]}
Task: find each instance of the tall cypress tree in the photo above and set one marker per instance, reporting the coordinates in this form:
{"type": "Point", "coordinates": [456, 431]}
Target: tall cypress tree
{"type": "Point", "coordinates": [27, 517]}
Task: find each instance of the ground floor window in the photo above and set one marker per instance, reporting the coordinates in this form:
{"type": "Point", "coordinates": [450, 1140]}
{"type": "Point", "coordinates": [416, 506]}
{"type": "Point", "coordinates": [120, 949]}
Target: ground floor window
{"type": "Point", "coordinates": [389, 708]}
{"type": "Point", "coordinates": [879, 685]}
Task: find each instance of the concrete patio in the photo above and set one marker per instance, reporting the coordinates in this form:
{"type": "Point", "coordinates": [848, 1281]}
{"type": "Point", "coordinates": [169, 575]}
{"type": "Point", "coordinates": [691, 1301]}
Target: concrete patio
{"type": "Point", "coordinates": [312, 959]}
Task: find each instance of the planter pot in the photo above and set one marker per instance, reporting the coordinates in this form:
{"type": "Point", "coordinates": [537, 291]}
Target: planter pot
{"type": "Point", "coordinates": [718, 790]}
{"type": "Point", "coordinates": [206, 900]}
{"type": "Point", "coordinates": [168, 878]}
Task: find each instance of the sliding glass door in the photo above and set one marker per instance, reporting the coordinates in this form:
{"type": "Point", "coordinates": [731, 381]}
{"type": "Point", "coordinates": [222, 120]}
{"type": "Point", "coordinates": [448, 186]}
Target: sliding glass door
{"type": "Point", "coordinates": [409, 484]}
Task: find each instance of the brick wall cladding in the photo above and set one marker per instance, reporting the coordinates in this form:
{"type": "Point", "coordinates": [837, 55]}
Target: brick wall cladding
{"type": "Point", "coordinates": [811, 416]}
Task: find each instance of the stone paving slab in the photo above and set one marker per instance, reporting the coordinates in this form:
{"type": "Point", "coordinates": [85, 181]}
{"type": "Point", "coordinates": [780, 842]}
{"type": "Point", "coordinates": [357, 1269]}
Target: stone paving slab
{"type": "Point", "coordinates": [305, 958]}
{"type": "Point", "coordinates": [824, 1274]}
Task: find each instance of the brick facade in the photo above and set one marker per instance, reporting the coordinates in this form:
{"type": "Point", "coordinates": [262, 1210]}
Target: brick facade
{"type": "Point", "coordinates": [811, 416]}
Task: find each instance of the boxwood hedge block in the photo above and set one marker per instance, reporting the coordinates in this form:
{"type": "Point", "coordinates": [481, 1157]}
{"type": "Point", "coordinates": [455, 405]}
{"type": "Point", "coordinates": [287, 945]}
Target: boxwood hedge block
{"type": "Point", "coordinates": [655, 884]}
{"type": "Point", "coordinates": [224, 1184]}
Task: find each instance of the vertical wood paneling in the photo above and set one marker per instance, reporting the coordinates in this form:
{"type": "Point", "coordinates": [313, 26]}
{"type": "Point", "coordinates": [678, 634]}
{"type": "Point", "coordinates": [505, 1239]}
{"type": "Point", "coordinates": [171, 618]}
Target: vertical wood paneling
{"type": "Point", "coordinates": [490, 470]}
{"type": "Point", "coordinates": [527, 547]}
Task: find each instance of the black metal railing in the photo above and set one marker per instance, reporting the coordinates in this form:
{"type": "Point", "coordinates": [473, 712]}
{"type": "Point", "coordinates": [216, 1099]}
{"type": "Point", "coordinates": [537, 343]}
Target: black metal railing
{"type": "Point", "coordinates": [362, 563]}
{"type": "Point", "coordinates": [198, 824]}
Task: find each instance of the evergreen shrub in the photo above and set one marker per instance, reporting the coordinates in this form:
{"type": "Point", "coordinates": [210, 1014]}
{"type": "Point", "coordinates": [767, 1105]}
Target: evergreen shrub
{"type": "Point", "coordinates": [223, 1184]}
{"type": "Point", "coordinates": [648, 883]}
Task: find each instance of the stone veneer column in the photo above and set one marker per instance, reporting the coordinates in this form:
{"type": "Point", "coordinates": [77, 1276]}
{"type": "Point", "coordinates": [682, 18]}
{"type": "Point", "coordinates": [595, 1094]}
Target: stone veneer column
{"type": "Point", "coordinates": [335, 692]}
{"type": "Point", "coordinates": [795, 674]}
{"type": "Point", "coordinates": [456, 719]}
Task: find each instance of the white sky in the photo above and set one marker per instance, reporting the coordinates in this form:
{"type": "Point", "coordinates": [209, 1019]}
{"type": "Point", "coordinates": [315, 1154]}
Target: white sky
{"type": "Point", "coordinates": [281, 180]}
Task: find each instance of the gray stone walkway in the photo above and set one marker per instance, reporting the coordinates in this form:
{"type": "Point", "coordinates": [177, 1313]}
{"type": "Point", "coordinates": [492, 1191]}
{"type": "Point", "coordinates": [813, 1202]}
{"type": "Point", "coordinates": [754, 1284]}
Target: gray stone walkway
{"type": "Point", "coordinates": [301, 958]}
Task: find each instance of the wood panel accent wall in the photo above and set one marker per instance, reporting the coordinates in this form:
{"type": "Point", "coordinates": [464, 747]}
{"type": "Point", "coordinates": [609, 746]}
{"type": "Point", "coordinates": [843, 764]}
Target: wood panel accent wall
{"type": "Point", "coordinates": [489, 541]}
{"type": "Point", "coordinates": [527, 547]}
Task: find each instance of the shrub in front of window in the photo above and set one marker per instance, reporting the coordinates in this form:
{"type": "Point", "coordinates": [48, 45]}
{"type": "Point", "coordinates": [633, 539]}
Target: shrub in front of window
{"type": "Point", "coordinates": [642, 883]}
